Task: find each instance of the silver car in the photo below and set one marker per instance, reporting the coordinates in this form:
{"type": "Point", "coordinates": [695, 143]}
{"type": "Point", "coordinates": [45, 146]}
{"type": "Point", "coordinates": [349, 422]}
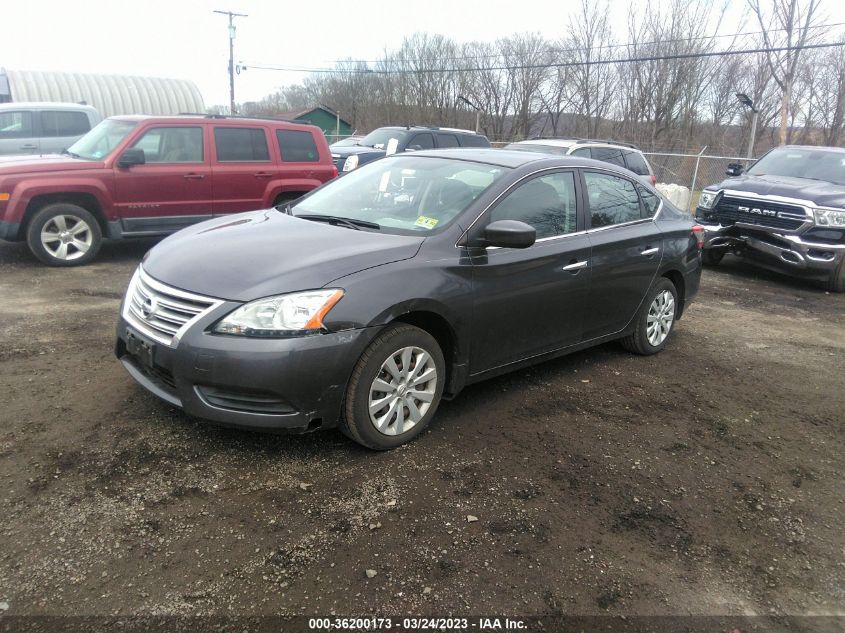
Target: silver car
{"type": "Point", "coordinates": [43, 128]}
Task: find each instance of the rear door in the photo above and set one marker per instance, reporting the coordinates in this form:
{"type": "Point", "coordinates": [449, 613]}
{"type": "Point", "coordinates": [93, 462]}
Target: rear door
{"type": "Point", "coordinates": [18, 134]}
{"type": "Point", "coordinates": [626, 250]}
{"type": "Point", "coordinates": [300, 168]}
{"type": "Point", "coordinates": [173, 188]}
{"type": "Point", "coordinates": [533, 300]}
{"type": "Point", "coordinates": [61, 128]}
{"type": "Point", "coordinates": [242, 168]}
{"type": "Point", "coordinates": [446, 140]}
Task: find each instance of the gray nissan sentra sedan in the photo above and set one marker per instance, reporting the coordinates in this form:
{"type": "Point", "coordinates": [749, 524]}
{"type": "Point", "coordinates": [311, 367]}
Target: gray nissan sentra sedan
{"type": "Point", "coordinates": [370, 299]}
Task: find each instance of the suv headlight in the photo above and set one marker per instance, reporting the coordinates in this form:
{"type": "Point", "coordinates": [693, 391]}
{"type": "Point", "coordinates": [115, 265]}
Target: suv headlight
{"type": "Point", "coordinates": [350, 163]}
{"type": "Point", "coordinates": [829, 217]}
{"type": "Point", "coordinates": [280, 316]}
{"type": "Point", "coordinates": [707, 199]}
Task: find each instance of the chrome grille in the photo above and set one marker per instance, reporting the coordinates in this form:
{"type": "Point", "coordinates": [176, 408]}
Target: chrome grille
{"type": "Point", "coordinates": [160, 311]}
{"type": "Point", "coordinates": [759, 212]}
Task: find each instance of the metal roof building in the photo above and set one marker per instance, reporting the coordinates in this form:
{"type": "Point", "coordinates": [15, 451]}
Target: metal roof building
{"type": "Point", "coordinates": [110, 94]}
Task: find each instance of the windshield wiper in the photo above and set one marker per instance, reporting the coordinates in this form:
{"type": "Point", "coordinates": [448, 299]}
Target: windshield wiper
{"type": "Point", "coordinates": [347, 222]}
{"type": "Point", "coordinates": [71, 154]}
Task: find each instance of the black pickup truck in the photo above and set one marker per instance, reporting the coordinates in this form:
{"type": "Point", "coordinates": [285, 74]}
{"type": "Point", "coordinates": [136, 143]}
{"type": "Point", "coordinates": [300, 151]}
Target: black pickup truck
{"type": "Point", "coordinates": [787, 212]}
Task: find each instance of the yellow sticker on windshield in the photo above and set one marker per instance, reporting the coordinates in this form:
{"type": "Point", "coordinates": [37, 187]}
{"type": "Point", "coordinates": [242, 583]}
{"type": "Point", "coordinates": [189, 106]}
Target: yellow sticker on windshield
{"type": "Point", "coordinates": [426, 222]}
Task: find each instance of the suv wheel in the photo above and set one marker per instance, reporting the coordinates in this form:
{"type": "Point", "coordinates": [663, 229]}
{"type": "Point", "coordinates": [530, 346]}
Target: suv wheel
{"type": "Point", "coordinates": [836, 283]}
{"type": "Point", "coordinates": [395, 388]}
{"type": "Point", "coordinates": [64, 234]}
{"type": "Point", "coordinates": [710, 257]}
{"type": "Point", "coordinates": [655, 320]}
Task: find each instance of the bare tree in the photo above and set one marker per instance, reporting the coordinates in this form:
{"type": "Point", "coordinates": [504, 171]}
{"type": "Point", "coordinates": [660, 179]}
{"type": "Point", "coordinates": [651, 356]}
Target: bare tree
{"type": "Point", "coordinates": [790, 24]}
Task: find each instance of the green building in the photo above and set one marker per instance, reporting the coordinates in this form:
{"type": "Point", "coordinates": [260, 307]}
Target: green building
{"type": "Point", "coordinates": [332, 124]}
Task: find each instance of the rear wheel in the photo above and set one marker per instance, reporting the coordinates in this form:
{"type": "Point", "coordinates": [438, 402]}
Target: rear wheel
{"type": "Point", "coordinates": [836, 283]}
{"type": "Point", "coordinates": [655, 320]}
{"type": "Point", "coordinates": [395, 388]}
{"type": "Point", "coordinates": [710, 257]}
{"type": "Point", "coordinates": [64, 234]}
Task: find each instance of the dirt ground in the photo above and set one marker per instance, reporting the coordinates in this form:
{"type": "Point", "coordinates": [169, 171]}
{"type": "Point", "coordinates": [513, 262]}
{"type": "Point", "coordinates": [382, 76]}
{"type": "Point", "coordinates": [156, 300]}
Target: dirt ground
{"type": "Point", "coordinates": [706, 480]}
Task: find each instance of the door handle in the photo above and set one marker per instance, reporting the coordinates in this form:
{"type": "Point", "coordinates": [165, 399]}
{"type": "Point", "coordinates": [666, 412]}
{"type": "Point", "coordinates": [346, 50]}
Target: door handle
{"type": "Point", "coordinates": [649, 251]}
{"type": "Point", "coordinates": [263, 174]}
{"type": "Point", "coordinates": [29, 146]}
{"type": "Point", "coordinates": [575, 266]}
{"type": "Point", "coordinates": [194, 176]}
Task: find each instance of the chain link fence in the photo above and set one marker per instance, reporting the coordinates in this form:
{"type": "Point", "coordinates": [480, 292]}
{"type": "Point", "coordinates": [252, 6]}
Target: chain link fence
{"type": "Point", "coordinates": [691, 171]}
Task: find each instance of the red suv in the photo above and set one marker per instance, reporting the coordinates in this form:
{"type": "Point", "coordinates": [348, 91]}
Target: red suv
{"type": "Point", "coordinates": [141, 176]}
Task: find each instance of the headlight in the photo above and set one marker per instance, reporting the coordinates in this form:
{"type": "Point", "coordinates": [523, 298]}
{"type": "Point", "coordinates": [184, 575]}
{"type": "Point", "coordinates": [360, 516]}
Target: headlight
{"type": "Point", "coordinates": [707, 199]}
{"type": "Point", "coordinates": [350, 163]}
{"type": "Point", "coordinates": [283, 315]}
{"type": "Point", "coordinates": [829, 217]}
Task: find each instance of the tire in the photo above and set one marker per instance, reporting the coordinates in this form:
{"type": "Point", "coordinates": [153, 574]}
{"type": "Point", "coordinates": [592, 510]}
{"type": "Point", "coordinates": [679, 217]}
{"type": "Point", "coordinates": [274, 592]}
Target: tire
{"type": "Point", "coordinates": [709, 257]}
{"type": "Point", "coordinates": [383, 430]}
{"type": "Point", "coordinates": [64, 234]}
{"type": "Point", "coordinates": [662, 312]}
{"type": "Point", "coordinates": [836, 283]}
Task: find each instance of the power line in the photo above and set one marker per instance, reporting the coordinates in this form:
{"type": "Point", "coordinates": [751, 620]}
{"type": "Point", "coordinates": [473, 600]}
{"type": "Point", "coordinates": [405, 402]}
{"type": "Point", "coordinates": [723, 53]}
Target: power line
{"type": "Point", "coordinates": [594, 62]}
{"type": "Point", "coordinates": [608, 46]}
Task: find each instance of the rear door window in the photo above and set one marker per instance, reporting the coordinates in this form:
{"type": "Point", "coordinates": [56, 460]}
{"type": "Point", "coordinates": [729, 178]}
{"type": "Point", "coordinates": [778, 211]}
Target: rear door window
{"type": "Point", "coordinates": [612, 155]}
{"type": "Point", "coordinates": [297, 146]}
{"type": "Point", "coordinates": [651, 203]}
{"type": "Point", "coordinates": [447, 140]}
{"type": "Point", "coordinates": [612, 200]}
{"type": "Point", "coordinates": [241, 144]}
{"type": "Point", "coordinates": [16, 124]}
{"type": "Point", "coordinates": [582, 152]}
{"type": "Point", "coordinates": [58, 123]}
{"type": "Point", "coordinates": [636, 163]}
{"type": "Point", "coordinates": [474, 140]}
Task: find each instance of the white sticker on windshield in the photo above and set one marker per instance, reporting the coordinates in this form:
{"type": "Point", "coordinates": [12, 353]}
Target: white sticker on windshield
{"type": "Point", "coordinates": [385, 182]}
{"type": "Point", "coordinates": [392, 146]}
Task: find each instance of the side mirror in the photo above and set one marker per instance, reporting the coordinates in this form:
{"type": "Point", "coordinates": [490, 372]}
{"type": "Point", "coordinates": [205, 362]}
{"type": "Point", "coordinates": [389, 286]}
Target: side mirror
{"type": "Point", "coordinates": [132, 156]}
{"type": "Point", "coordinates": [734, 169]}
{"type": "Point", "coordinates": [509, 234]}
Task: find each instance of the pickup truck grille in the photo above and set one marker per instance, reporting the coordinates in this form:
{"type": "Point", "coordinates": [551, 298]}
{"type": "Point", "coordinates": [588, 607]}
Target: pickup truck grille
{"type": "Point", "coordinates": [759, 212]}
{"type": "Point", "coordinates": [160, 311]}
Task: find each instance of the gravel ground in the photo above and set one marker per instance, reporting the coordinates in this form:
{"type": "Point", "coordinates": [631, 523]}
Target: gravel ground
{"type": "Point", "coordinates": [706, 480]}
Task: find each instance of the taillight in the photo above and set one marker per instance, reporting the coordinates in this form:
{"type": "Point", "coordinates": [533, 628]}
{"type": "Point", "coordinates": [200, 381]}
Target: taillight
{"type": "Point", "coordinates": [334, 171]}
{"type": "Point", "coordinates": [653, 180]}
{"type": "Point", "coordinates": [698, 232]}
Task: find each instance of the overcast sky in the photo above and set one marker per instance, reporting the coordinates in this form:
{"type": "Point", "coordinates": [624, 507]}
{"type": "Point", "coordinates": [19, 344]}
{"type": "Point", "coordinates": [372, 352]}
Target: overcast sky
{"type": "Point", "coordinates": [185, 39]}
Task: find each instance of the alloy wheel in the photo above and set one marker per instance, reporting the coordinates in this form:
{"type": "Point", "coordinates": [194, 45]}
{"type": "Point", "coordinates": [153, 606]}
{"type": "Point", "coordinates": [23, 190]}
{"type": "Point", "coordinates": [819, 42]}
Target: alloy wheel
{"type": "Point", "coordinates": [66, 237]}
{"type": "Point", "coordinates": [402, 391]}
{"type": "Point", "coordinates": [661, 315]}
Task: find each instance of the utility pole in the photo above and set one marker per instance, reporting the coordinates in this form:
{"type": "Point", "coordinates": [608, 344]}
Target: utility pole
{"type": "Point", "coordinates": [474, 107]}
{"type": "Point", "coordinates": [745, 100]}
{"type": "Point", "coordinates": [232, 17]}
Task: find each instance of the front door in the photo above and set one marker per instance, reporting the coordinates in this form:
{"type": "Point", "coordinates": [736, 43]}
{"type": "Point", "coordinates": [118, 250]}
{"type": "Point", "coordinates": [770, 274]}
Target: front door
{"type": "Point", "coordinates": [172, 189]}
{"type": "Point", "coordinates": [530, 301]}
{"type": "Point", "coordinates": [626, 251]}
{"type": "Point", "coordinates": [18, 134]}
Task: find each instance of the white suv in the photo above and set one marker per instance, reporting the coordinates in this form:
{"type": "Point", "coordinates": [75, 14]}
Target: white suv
{"type": "Point", "coordinates": [613, 152]}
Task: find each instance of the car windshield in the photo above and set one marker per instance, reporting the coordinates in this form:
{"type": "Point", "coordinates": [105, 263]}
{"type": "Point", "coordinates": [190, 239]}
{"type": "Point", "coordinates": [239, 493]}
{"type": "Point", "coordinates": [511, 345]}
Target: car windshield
{"type": "Point", "coordinates": [405, 195]}
{"type": "Point", "coordinates": [378, 139]}
{"type": "Point", "coordinates": [101, 140]}
{"type": "Point", "coordinates": [346, 142]}
{"type": "Point", "coordinates": [816, 164]}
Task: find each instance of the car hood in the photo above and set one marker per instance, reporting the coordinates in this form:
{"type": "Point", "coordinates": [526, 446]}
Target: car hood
{"type": "Point", "coordinates": [821, 193]}
{"type": "Point", "coordinates": [343, 152]}
{"type": "Point", "coordinates": [252, 255]}
{"type": "Point", "coordinates": [44, 163]}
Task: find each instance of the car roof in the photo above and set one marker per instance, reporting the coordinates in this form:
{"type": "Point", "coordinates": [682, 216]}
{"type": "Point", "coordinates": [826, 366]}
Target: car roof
{"type": "Point", "coordinates": [825, 148]}
{"type": "Point", "coordinates": [428, 129]}
{"type": "Point", "coordinates": [516, 159]}
{"type": "Point", "coordinates": [569, 142]}
{"type": "Point", "coordinates": [211, 118]}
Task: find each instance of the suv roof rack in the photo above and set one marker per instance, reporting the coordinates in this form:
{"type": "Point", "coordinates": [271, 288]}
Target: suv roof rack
{"type": "Point", "coordinates": [241, 116]}
{"type": "Point", "coordinates": [443, 129]}
{"type": "Point", "coordinates": [580, 141]}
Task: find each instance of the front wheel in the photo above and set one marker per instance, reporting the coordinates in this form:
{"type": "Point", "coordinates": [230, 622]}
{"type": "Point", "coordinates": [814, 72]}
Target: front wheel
{"type": "Point", "coordinates": [64, 234]}
{"type": "Point", "coordinates": [655, 320]}
{"type": "Point", "coordinates": [836, 283]}
{"type": "Point", "coordinates": [395, 388]}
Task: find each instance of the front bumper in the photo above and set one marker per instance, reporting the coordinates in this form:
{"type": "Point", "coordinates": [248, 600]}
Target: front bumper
{"type": "Point", "coordinates": [293, 384]}
{"type": "Point", "coordinates": [789, 253]}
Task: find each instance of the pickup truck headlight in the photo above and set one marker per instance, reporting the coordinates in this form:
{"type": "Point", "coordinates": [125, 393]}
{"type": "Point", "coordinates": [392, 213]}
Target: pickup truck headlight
{"type": "Point", "coordinates": [829, 217]}
{"type": "Point", "coordinates": [280, 316]}
{"type": "Point", "coordinates": [350, 163]}
{"type": "Point", "coordinates": [707, 199]}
